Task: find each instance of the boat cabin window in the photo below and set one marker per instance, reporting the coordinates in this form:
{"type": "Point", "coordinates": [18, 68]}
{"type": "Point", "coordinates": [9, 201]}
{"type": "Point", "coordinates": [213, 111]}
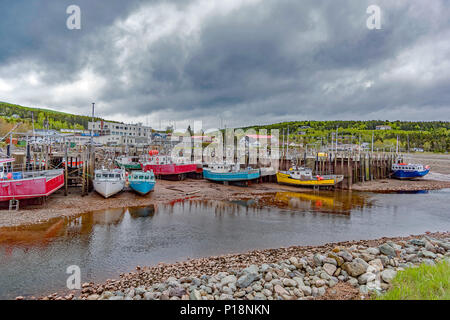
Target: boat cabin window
{"type": "Point", "coordinates": [98, 176]}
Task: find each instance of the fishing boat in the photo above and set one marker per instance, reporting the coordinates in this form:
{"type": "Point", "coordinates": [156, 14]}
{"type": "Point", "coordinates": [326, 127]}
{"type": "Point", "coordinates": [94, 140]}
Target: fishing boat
{"type": "Point", "coordinates": [128, 162]}
{"type": "Point", "coordinates": [230, 172]}
{"type": "Point", "coordinates": [300, 176]}
{"type": "Point", "coordinates": [168, 168]}
{"type": "Point", "coordinates": [142, 182]}
{"type": "Point", "coordinates": [409, 171]}
{"type": "Point", "coordinates": [27, 184]}
{"type": "Point", "coordinates": [109, 182]}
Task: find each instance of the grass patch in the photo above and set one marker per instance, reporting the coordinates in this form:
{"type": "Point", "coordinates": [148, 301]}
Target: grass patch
{"type": "Point", "coordinates": [422, 283]}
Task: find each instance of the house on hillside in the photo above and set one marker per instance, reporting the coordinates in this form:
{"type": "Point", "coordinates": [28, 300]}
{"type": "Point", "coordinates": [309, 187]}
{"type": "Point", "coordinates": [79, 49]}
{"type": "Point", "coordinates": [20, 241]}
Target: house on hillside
{"type": "Point", "coordinates": [383, 127]}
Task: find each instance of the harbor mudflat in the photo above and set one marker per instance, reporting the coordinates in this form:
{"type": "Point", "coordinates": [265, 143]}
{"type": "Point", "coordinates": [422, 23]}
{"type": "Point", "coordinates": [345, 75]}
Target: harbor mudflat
{"type": "Point", "coordinates": [169, 191]}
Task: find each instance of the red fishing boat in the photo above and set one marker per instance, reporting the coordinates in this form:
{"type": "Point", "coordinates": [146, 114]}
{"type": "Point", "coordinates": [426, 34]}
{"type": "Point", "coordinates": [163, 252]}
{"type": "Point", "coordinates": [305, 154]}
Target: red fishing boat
{"type": "Point", "coordinates": [165, 167]}
{"type": "Point", "coordinates": [28, 184]}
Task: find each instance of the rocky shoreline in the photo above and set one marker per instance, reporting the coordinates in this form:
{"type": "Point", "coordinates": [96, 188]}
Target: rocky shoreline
{"type": "Point", "coordinates": [345, 270]}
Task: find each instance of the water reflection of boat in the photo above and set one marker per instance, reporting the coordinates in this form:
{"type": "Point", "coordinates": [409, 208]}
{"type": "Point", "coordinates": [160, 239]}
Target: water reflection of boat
{"type": "Point", "coordinates": [33, 234]}
{"type": "Point", "coordinates": [244, 203]}
{"type": "Point", "coordinates": [327, 202]}
{"type": "Point", "coordinates": [108, 216]}
{"type": "Point", "coordinates": [317, 199]}
{"type": "Point", "coordinates": [142, 212]}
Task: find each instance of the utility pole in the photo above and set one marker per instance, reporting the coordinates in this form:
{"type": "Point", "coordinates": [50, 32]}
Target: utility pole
{"type": "Point", "coordinates": [92, 129]}
{"type": "Point", "coordinates": [372, 141]}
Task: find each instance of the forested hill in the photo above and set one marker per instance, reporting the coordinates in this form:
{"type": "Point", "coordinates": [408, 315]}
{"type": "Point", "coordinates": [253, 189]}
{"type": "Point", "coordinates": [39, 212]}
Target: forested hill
{"type": "Point", "coordinates": [56, 120]}
{"type": "Point", "coordinates": [431, 136]}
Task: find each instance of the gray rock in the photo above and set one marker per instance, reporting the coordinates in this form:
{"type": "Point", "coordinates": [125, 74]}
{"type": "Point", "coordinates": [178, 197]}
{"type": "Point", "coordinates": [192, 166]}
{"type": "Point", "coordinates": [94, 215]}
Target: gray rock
{"type": "Point", "coordinates": [251, 269]}
{"type": "Point", "coordinates": [139, 291]}
{"type": "Point", "coordinates": [228, 279]}
{"type": "Point", "coordinates": [377, 264]}
{"type": "Point", "coordinates": [267, 292]}
{"type": "Point", "coordinates": [329, 268]}
{"type": "Point", "coordinates": [321, 291]}
{"type": "Point", "coordinates": [388, 274]}
{"type": "Point", "coordinates": [299, 281]}
{"type": "Point", "coordinates": [345, 255]}
{"type": "Point", "coordinates": [247, 279]}
{"type": "Point", "coordinates": [280, 290]}
{"type": "Point", "coordinates": [265, 267]}
{"type": "Point", "coordinates": [306, 290]}
{"type": "Point", "coordinates": [353, 282]}
{"type": "Point", "coordinates": [293, 260]}
{"type": "Point", "coordinates": [387, 250]}
{"type": "Point", "coordinates": [445, 245]}
{"type": "Point", "coordinates": [363, 289]}
{"type": "Point", "coordinates": [417, 242]}
{"type": "Point", "coordinates": [366, 277]}
{"type": "Point", "coordinates": [257, 287]}
{"type": "Point", "coordinates": [373, 251]}
{"type": "Point", "coordinates": [318, 259]}
{"type": "Point", "coordinates": [225, 296]}
{"type": "Point", "coordinates": [330, 261]}
{"type": "Point", "coordinates": [116, 298]}
{"type": "Point", "coordinates": [148, 296]}
{"type": "Point", "coordinates": [355, 268]}
{"type": "Point", "coordinates": [428, 254]}
{"type": "Point", "coordinates": [259, 296]}
{"type": "Point", "coordinates": [195, 295]}
{"type": "Point", "coordinates": [289, 283]}
{"type": "Point", "coordinates": [320, 283]}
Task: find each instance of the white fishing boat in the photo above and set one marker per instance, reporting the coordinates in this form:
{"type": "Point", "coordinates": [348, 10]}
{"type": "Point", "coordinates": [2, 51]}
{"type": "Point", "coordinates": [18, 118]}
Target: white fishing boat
{"type": "Point", "coordinates": [109, 182]}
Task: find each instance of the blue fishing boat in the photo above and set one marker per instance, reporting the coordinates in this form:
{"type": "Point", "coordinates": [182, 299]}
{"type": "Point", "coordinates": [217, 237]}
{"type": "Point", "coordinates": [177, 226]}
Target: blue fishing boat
{"type": "Point", "coordinates": [142, 182]}
{"type": "Point", "coordinates": [409, 171]}
{"type": "Point", "coordinates": [226, 173]}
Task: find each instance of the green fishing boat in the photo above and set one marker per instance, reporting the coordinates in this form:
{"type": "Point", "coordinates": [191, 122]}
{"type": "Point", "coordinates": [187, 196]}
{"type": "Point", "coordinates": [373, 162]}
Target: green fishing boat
{"type": "Point", "coordinates": [128, 163]}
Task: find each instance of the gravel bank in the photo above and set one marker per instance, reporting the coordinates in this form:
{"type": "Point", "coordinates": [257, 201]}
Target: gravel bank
{"type": "Point", "coordinates": [346, 270]}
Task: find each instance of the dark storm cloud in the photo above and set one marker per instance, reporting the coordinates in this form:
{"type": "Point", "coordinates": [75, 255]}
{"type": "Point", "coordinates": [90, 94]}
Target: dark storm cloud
{"type": "Point", "coordinates": [243, 61]}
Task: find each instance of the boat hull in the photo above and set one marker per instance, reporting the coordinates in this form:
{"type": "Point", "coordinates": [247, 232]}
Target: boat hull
{"type": "Point", "coordinates": [244, 175]}
{"type": "Point", "coordinates": [142, 187]}
{"type": "Point", "coordinates": [402, 174]}
{"type": "Point", "coordinates": [30, 188]}
{"type": "Point", "coordinates": [284, 178]}
{"type": "Point", "coordinates": [108, 188]}
{"type": "Point", "coordinates": [169, 169]}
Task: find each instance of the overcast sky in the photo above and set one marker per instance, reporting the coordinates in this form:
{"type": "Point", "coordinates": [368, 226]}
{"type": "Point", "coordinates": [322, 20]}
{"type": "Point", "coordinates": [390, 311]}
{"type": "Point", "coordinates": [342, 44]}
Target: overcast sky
{"type": "Point", "coordinates": [235, 62]}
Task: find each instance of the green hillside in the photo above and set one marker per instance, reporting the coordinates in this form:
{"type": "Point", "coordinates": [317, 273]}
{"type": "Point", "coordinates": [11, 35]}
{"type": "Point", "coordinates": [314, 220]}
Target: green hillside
{"type": "Point", "coordinates": [12, 113]}
{"type": "Point", "coordinates": [433, 136]}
